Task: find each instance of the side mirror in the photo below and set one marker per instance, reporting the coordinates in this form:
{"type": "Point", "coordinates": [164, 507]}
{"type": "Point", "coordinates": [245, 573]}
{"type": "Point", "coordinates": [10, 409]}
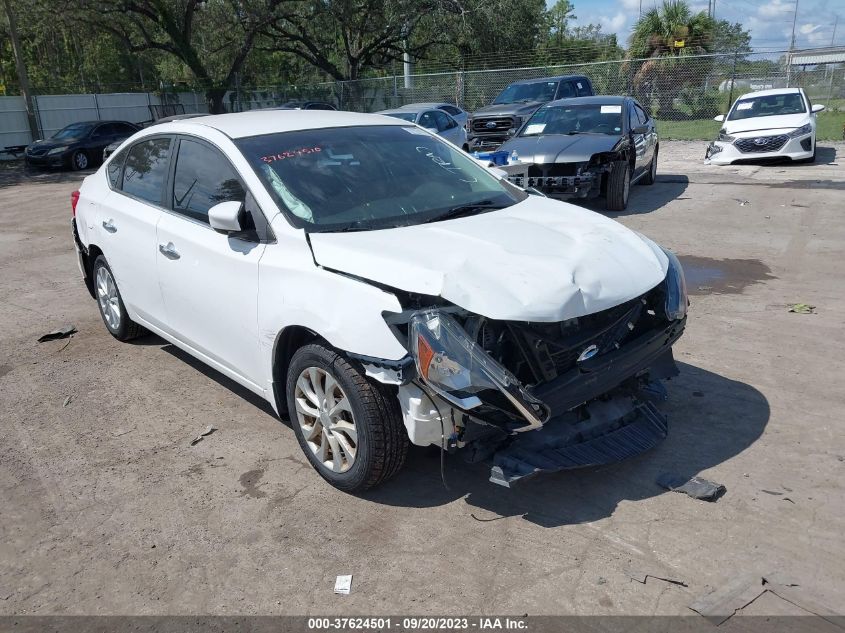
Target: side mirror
{"type": "Point", "coordinates": [225, 217]}
{"type": "Point", "coordinates": [640, 129]}
{"type": "Point", "coordinates": [818, 107]}
{"type": "Point", "coordinates": [719, 117]}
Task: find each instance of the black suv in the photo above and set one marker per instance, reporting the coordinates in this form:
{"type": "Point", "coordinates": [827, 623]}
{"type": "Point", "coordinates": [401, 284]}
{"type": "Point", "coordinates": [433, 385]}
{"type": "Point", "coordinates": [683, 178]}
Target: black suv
{"type": "Point", "coordinates": [492, 125]}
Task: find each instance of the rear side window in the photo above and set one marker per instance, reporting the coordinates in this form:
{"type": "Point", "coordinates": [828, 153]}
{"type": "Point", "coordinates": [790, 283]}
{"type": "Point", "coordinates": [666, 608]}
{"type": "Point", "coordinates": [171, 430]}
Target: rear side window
{"type": "Point", "coordinates": [567, 90]}
{"type": "Point", "coordinates": [145, 170]}
{"type": "Point", "coordinates": [115, 168]}
{"type": "Point", "coordinates": [203, 178]}
{"type": "Point", "coordinates": [124, 129]}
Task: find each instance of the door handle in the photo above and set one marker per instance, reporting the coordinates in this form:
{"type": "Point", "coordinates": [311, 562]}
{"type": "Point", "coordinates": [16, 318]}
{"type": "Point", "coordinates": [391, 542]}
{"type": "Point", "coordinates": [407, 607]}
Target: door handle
{"type": "Point", "coordinates": [109, 226]}
{"type": "Point", "coordinates": [169, 251]}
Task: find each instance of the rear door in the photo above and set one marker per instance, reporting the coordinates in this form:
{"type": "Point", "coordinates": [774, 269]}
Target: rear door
{"type": "Point", "coordinates": [126, 224]}
{"type": "Point", "coordinates": [638, 140]}
{"type": "Point", "coordinates": [650, 136]}
{"type": "Point", "coordinates": [209, 281]}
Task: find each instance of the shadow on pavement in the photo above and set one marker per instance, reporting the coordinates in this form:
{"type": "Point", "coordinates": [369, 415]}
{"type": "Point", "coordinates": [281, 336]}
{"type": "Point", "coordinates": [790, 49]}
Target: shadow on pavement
{"type": "Point", "coordinates": [644, 198]}
{"type": "Point", "coordinates": [711, 419]}
{"type": "Point", "coordinates": [15, 172]}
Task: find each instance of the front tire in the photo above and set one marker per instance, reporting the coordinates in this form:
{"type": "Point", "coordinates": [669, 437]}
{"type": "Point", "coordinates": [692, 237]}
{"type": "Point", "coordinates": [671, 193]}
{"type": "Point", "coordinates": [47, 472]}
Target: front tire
{"type": "Point", "coordinates": [349, 427]}
{"type": "Point", "coordinates": [110, 303]}
{"type": "Point", "coordinates": [79, 160]}
{"type": "Point", "coordinates": [618, 186]}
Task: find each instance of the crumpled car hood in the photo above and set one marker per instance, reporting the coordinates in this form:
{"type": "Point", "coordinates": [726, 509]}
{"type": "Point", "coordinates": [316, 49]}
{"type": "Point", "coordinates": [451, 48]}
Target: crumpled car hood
{"type": "Point", "coordinates": [558, 148]}
{"type": "Point", "coordinates": [539, 260]}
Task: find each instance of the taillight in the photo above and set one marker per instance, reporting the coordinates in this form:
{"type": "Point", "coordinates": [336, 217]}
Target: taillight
{"type": "Point", "coordinates": [74, 198]}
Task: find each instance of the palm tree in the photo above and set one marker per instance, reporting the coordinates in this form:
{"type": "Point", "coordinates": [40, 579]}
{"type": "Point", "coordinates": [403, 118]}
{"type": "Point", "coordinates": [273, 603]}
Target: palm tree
{"type": "Point", "coordinates": [662, 37]}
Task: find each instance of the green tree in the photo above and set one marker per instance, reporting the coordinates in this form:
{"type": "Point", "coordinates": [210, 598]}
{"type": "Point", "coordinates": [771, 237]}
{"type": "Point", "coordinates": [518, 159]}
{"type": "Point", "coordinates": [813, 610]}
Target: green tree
{"type": "Point", "coordinates": [557, 23]}
{"type": "Point", "coordinates": [661, 40]}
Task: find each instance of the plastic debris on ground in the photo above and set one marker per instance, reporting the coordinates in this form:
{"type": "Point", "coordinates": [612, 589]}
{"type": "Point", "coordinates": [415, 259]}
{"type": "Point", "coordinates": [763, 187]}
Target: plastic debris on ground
{"type": "Point", "coordinates": [57, 334]}
{"type": "Point", "coordinates": [802, 308]}
{"type": "Point", "coordinates": [208, 431]}
{"type": "Point", "coordinates": [343, 585]}
{"type": "Point", "coordinates": [697, 488]}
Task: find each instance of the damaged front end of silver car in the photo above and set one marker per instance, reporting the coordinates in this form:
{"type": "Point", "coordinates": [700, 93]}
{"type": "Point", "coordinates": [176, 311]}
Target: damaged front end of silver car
{"type": "Point", "coordinates": [532, 397]}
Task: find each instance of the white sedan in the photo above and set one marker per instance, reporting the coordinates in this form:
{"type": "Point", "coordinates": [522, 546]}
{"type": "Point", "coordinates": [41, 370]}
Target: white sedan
{"type": "Point", "coordinates": [770, 124]}
{"type": "Point", "coordinates": [434, 120]}
{"type": "Point", "coordinates": [376, 285]}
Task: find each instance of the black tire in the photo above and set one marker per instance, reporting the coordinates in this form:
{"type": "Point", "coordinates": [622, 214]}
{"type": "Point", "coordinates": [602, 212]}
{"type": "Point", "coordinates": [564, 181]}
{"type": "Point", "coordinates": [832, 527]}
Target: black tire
{"type": "Point", "coordinates": [382, 441]}
{"type": "Point", "coordinates": [651, 175]}
{"type": "Point", "coordinates": [79, 160]}
{"type": "Point", "coordinates": [124, 329]}
{"type": "Point", "coordinates": [618, 186]}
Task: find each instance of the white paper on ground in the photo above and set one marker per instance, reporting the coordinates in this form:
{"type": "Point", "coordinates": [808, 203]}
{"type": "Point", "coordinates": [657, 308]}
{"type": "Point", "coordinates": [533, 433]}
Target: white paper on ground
{"type": "Point", "coordinates": [343, 584]}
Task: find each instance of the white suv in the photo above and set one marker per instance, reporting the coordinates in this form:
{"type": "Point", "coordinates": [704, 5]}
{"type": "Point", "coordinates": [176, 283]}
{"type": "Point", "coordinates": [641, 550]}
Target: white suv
{"type": "Point", "coordinates": [377, 285]}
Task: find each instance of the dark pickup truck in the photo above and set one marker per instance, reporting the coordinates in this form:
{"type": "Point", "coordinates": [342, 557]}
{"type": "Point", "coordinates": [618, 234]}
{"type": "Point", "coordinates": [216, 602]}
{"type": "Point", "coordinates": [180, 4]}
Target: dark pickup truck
{"type": "Point", "coordinates": [492, 125]}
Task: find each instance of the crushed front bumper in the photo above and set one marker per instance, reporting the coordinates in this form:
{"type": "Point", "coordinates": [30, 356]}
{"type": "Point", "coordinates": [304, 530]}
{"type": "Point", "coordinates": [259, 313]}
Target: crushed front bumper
{"type": "Point", "coordinates": [585, 183]}
{"type": "Point", "coordinates": [598, 415]}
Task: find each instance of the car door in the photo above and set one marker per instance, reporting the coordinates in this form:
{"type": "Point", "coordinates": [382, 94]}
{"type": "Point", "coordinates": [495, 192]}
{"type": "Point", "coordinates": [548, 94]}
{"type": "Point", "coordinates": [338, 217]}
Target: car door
{"type": "Point", "coordinates": [126, 224]}
{"type": "Point", "coordinates": [209, 280]}
{"type": "Point", "coordinates": [101, 136]}
{"type": "Point", "coordinates": [651, 135]}
{"type": "Point", "coordinates": [448, 128]}
{"type": "Point", "coordinates": [638, 141]}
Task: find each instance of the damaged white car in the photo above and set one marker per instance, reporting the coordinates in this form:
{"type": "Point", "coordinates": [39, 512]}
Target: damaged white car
{"type": "Point", "coordinates": [376, 284]}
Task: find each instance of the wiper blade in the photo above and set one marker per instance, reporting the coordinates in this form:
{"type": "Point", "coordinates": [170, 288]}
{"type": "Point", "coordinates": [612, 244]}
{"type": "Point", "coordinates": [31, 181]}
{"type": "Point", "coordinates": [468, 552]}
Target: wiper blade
{"type": "Point", "coordinates": [467, 209]}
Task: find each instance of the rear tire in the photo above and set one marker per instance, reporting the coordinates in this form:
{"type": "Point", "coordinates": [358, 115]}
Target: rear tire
{"type": "Point", "coordinates": [618, 186]}
{"type": "Point", "coordinates": [364, 442]}
{"type": "Point", "coordinates": [651, 176]}
{"type": "Point", "coordinates": [110, 303]}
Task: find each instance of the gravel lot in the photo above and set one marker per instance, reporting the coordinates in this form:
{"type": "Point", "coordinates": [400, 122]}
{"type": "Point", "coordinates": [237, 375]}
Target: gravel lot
{"type": "Point", "coordinates": [105, 508]}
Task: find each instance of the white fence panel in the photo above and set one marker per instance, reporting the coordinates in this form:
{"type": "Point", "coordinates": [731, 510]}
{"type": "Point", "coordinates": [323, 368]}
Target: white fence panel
{"type": "Point", "coordinates": [57, 111]}
{"type": "Point", "coordinates": [14, 128]}
{"type": "Point", "coordinates": [126, 106]}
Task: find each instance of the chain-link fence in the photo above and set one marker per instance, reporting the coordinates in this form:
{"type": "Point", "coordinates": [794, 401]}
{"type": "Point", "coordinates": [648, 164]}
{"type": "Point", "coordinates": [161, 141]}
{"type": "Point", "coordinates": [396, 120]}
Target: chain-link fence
{"type": "Point", "coordinates": [684, 93]}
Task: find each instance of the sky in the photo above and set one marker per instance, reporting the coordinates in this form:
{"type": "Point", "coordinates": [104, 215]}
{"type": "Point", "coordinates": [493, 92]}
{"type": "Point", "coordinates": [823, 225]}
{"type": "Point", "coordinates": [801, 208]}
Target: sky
{"type": "Point", "coordinates": [769, 21]}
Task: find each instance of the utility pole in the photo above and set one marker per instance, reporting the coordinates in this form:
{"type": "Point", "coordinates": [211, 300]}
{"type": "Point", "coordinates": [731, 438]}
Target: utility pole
{"type": "Point", "coordinates": [791, 48]}
{"type": "Point", "coordinates": [835, 22]}
{"type": "Point", "coordinates": [20, 65]}
{"type": "Point", "coordinates": [794, 20]}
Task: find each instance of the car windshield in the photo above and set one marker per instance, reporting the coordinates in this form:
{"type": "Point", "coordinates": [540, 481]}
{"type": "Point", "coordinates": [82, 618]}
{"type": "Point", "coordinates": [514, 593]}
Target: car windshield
{"type": "Point", "coordinates": [768, 105]}
{"type": "Point", "coordinates": [537, 91]}
{"type": "Point", "coordinates": [405, 116]}
{"type": "Point", "coordinates": [592, 118]}
{"type": "Point", "coordinates": [74, 130]}
{"type": "Point", "coordinates": [372, 177]}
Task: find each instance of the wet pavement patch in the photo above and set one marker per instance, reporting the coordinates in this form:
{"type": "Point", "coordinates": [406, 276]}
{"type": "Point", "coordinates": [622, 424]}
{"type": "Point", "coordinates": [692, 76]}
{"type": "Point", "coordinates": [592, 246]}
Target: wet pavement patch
{"type": "Point", "coordinates": [706, 276]}
{"type": "Point", "coordinates": [249, 480]}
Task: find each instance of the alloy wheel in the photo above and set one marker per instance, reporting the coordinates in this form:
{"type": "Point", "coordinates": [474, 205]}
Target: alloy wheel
{"type": "Point", "coordinates": [325, 416]}
{"type": "Point", "coordinates": [108, 298]}
{"type": "Point", "coordinates": [80, 160]}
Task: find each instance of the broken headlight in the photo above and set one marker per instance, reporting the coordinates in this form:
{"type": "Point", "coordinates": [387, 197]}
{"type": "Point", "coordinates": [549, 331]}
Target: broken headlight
{"type": "Point", "coordinates": [458, 369]}
{"type": "Point", "coordinates": [676, 289]}
{"type": "Point", "coordinates": [725, 137]}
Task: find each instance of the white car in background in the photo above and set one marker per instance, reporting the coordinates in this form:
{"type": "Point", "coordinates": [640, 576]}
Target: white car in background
{"type": "Point", "coordinates": [376, 285]}
{"type": "Point", "coordinates": [769, 124]}
{"type": "Point", "coordinates": [449, 108]}
{"type": "Point", "coordinates": [434, 120]}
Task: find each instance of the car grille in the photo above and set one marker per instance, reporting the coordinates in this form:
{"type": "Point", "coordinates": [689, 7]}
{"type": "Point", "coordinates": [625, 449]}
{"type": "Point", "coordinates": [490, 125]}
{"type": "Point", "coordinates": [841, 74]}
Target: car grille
{"type": "Point", "coordinates": [761, 143]}
{"type": "Point", "coordinates": [500, 124]}
{"type": "Point", "coordinates": [552, 169]}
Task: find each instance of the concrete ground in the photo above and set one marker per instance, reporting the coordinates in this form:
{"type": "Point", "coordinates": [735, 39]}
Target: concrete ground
{"type": "Point", "coordinates": [105, 508]}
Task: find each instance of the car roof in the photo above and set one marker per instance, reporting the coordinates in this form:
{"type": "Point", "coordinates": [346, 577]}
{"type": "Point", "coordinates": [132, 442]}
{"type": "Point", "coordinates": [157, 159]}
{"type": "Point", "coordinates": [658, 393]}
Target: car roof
{"type": "Point", "coordinates": [766, 93]}
{"type": "Point", "coordinates": [409, 109]}
{"type": "Point", "coordinates": [260, 122]}
{"type": "Point", "coordinates": [558, 78]}
{"type": "Point", "coordinates": [600, 99]}
{"type": "Point", "coordinates": [426, 104]}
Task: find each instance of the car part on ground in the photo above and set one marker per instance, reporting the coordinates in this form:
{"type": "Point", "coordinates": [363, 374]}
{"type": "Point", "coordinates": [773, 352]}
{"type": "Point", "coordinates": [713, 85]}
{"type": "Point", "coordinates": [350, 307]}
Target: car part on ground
{"type": "Point", "coordinates": [777, 124]}
{"type": "Point", "coordinates": [584, 148]}
{"type": "Point", "coordinates": [492, 125]}
{"type": "Point", "coordinates": [416, 306]}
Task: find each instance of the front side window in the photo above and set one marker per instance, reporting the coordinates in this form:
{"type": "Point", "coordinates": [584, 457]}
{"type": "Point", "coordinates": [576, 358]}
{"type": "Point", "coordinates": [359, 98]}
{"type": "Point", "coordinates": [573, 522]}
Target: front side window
{"type": "Point", "coordinates": [444, 122]}
{"type": "Point", "coordinates": [768, 105]}
{"type": "Point", "coordinates": [202, 178]}
{"type": "Point", "coordinates": [74, 130]}
{"type": "Point", "coordinates": [371, 177]}
{"type": "Point", "coordinates": [525, 93]}
{"type": "Point", "coordinates": [641, 114]}
{"type": "Point", "coordinates": [567, 90]}
{"type": "Point", "coordinates": [428, 120]}
{"type": "Point", "coordinates": [591, 118]}
{"type": "Point", "coordinates": [145, 170]}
